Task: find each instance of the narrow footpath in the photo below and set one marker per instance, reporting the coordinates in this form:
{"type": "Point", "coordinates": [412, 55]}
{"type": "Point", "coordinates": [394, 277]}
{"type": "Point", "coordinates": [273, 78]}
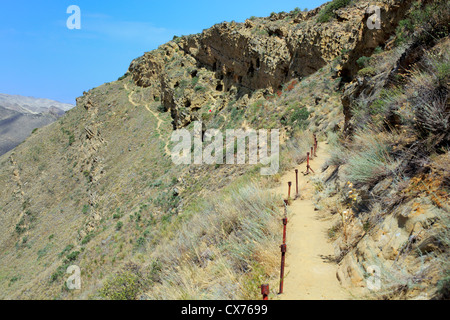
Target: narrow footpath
{"type": "Point", "coordinates": [309, 273]}
{"type": "Point", "coordinates": [154, 114]}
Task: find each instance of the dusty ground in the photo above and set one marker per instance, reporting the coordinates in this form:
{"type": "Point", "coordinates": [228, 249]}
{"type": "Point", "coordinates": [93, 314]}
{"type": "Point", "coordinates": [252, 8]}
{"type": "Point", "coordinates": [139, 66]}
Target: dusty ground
{"type": "Point", "coordinates": [309, 272]}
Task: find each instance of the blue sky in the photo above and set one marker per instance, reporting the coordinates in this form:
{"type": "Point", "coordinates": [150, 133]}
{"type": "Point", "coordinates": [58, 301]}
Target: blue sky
{"type": "Point", "coordinates": [41, 57]}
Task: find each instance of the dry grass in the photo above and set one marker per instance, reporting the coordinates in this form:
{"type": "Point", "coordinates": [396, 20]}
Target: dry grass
{"type": "Point", "coordinates": [225, 250]}
{"type": "Point", "coordinates": [295, 149]}
{"type": "Point", "coordinates": [371, 160]}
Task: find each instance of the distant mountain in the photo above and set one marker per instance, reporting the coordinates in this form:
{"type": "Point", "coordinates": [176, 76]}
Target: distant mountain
{"type": "Point", "coordinates": [20, 115]}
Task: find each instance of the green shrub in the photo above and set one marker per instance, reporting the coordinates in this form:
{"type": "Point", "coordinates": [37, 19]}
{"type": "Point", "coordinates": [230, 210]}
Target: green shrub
{"type": "Point", "coordinates": [71, 139]}
{"type": "Point", "coordinates": [195, 80]}
{"type": "Point", "coordinates": [123, 77]}
{"type": "Point", "coordinates": [368, 71]}
{"type": "Point", "coordinates": [85, 209]}
{"type": "Point", "coordinates": [140, 242]}
{"type": "Point", "coordinates": [161, 108]}
{"type": "Point", "coordinates": [363, 61]}
{"type": "Point", "coordinates": [87, 238]}
{"type": "Point", "coordinates": [378, 50]}
{"type": "Point", "coordinates": [300, 117]}
{"type": "Point", "coordinates": [425, 21]}
{"type": "Point", "coordinates": [123, 286]}
{"type": "Point", "coordinates": [60, 271]}
{"type": "Point", "coordinates": [87, 175]}
{"type": "Point", "coordinates": [67, 249]}
{"type": "Point", "coordinates": [119, 225]}
{"type": "Point", "coordinates": [328, 12]}
{"type": "Point", "coordinates": [199, 88]}
{"type": "Point", "coordinates": [14, 279]}
{"type": "Point", "coordinates": [73, 256]}
{"type": "Point", "coordinates": [297, 10]}
{"type": "Point", "coordinates": [20, 228]}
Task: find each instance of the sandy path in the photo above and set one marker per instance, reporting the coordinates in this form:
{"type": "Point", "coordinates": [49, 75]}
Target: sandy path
{"type": "Point", "coordinates": [309, 275]}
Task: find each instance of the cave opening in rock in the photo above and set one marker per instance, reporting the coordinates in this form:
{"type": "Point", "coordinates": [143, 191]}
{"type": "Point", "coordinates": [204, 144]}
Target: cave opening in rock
{"type": "Point", "coordinates": [251, 70]}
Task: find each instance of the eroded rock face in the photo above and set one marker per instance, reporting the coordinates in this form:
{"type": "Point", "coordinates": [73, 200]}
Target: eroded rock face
{"type": "Point", "coordinates": [232, 60]}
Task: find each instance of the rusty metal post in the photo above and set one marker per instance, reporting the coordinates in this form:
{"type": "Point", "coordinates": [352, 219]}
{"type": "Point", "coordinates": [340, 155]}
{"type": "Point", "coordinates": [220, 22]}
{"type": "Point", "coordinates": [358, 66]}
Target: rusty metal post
{"type": "Point", "coordinates": [308, 167]}
{"type": "Point", "coordinates": [286, 203]}
{"type": "Point", "coordinates": [285, 221]}
{"type": "Point", "coordinates": [289, 191]}
{"type": "Point", "coordinates": [283, 257]}
{"type": "Point", "coordinates": [296, 184]}
{"type": "Point", "coordinates": [315, 145]}
{"type": "Point", "coordinates": [307, 163]}
{"type": "Point", "coordinates": [265, 291]}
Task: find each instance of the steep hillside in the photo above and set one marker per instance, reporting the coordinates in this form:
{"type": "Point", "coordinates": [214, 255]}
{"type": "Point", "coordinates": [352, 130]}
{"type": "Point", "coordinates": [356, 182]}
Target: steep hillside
{"type": "Point", "coordinates": [98, 188]}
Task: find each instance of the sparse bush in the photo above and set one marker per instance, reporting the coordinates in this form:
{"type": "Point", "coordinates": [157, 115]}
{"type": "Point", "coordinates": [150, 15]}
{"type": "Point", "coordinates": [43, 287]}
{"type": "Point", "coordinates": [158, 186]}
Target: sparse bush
{"type": "Point", "coordinates": [338, 153]}
{"type": "Point", "coordinates": [363, 61]}
{"type": "Point", "coordinates": [87, 238]}
{"type": "Point", "coordinates": [85, 209]}
{"type": "Point", "coordinates": [297, 10]}
{"type": "Point", "coordinates": [428, 94]}
{"type": "Point", "coordinates": [123, 77]}
{"type": "Point", "coordinates": [300, 117]}
{"type": "Point", "coordinates": [425, 21]}
{"type": "Point", "coordinates": [370, 160]}
{"type": "Point", "coordinates": [20, 228]}
{"type": "Point", "coordinates": [368, 71]}
{"type": "Point", "coordinates": [328, 12]}
{"type": "Point", "coordinates": [123, 286]}
{"type": "Point", "coordinates": [14, 279]}
{"type": "Point", "coordinates": [194, 81]}
{"type": "Point", "coordinates": [73, 256]}
{"type": "Point", "coordinates": [161, 108]}
{"type": "Point", "coordinates": [199, 88]}
{"type": "Point", "coordinates": [126, 284]}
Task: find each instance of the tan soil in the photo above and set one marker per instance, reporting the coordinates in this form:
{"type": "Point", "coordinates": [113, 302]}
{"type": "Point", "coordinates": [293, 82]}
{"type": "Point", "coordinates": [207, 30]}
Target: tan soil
{"type": "Point", "coordinates": [309, 273]}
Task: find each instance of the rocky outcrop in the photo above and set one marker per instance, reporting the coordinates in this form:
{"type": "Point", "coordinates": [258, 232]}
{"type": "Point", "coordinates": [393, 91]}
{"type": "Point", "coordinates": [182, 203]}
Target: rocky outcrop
{"type": "Point", "coordinates": [234, 60]}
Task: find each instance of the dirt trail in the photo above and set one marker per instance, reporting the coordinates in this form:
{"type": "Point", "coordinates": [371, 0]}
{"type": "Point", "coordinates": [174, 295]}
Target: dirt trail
{"type": "Point", "coordinates": [309, 275]}
{"type": "Point", "coordinates": [160, 121]}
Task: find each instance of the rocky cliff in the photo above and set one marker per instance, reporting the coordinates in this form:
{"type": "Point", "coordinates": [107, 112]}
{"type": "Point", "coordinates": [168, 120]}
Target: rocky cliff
{"type": "Point", "coordinates": [235, 60]}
